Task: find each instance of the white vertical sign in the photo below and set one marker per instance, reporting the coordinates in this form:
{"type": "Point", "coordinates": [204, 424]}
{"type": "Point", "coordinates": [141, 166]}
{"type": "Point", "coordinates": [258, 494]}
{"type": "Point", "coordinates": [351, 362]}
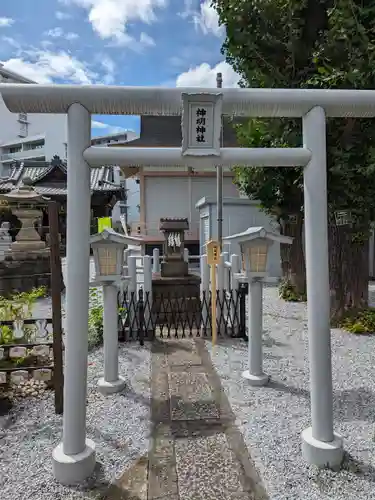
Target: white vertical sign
{"type": "Point", "coordinates": [201, 124]}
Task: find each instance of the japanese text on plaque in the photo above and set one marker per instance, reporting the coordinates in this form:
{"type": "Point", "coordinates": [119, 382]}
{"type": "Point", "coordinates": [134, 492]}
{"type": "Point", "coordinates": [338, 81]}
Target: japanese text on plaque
{"type": "Point", "coordinates": [201, 124]}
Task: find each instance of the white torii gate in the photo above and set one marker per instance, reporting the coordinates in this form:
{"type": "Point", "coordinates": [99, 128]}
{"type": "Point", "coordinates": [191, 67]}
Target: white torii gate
{"type": "Point", "coordinates": [74, 457]}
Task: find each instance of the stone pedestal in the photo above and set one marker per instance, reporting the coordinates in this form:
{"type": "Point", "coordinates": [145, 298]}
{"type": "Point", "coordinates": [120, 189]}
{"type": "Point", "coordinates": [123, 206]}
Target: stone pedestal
{"type": "Point", "coordinates": [21, 272]}
{"type": "Point", "coordinates": [176, 297]}
{"type": "Point", "coordinates": [174, 269]}
{"type": "Point", "coordinates": [22, 275]}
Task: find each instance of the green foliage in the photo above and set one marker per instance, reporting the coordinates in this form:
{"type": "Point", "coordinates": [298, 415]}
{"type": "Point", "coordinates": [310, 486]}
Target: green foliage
{"type": "Point", "coordinates": [305, 44]}
{"type": "Point", "coordinates": [288, 292]}
{"type": "Point", "coordinates": [19, 306]}
{"type": "Point", "coordinates": [6, 335]}
{"type": "Point", "coordinates": [362, 322]}
{"type": "Point", "coordinates": [95, 331]}
{"type": "Point", "coordinates": [280, 191]}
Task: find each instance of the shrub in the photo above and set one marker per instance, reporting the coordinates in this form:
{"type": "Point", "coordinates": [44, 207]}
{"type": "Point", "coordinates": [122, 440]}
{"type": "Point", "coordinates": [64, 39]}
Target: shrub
{"type": "Point", "coordinates": [362, 322]}
{"type": "Point", "coordinates": [95, 327]}
{"type": "Point", "coordinates": [288, 292]}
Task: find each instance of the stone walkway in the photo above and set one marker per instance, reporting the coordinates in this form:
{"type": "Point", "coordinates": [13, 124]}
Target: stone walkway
{"type": "Point", "coordinates": [197, 452]}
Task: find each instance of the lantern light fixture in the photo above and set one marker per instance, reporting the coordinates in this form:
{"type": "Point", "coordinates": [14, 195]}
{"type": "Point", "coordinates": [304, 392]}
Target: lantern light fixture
{"type": "Point", "coordinates": [108, 249]}
{"type": "Point", "coordinates": [254, 244]}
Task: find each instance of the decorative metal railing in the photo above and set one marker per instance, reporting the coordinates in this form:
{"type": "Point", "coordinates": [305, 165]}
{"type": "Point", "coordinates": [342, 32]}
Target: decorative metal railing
{"type": "Point", "coordinates": [143, 316]}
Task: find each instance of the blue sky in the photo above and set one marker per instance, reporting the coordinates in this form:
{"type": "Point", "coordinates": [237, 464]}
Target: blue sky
{"type": "Point", "coordinates": [120, 42]}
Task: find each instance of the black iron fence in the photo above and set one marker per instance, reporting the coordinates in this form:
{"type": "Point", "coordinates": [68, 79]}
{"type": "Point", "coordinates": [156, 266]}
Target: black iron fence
{"type": "Point", "coordinates": [144, 317]}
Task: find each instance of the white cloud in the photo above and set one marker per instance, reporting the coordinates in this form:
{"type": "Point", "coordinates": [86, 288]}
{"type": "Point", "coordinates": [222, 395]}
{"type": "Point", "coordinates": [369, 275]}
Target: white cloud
{"type": "Point", "coordinates": [207, 19]}
{"type": "Point", "coordinates": [11, 41]}
{"type": "Point", "coordinates": [109, 129]}
{"type": "Point", "coordinates": [71, 36]}
{"type": "Point", "coordinates": [109, 18]}
{"type": "Point", "coordinates": [62, 16]}
{"type": "Point", "coordinates": [109, 67]}
{"type": "Point", "coordinates": [46, 67]}
{"type": "Point", "coordinates": [188, 9]}
{"type": "Point", "coordinates": [5, 22]}
{"type": "Point", "coordinates": [97, 124]}
{"type": "Point", "coordinates": [205, 76]}
{"type": "Point", "coordinates": [55, 32]}
{"type": "Point", "coordinates": [59, 33]}
{"type": "Point", "coordinates": [146, 40]}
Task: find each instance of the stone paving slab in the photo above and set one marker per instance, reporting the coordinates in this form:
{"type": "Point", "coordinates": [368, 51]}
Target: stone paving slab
{"type": "Point", "coordinates": [132, 484]}
{"type": "Point", "coordinates": [162, 478]}
{"type": "Point", "coordinates": [191, 397]}
{"type": "Point", "coordinates": [207, 469]}
{"type": "Point", "coordinates": [184, 354]}
{"type": "Point", "coordinates": [197, 452]}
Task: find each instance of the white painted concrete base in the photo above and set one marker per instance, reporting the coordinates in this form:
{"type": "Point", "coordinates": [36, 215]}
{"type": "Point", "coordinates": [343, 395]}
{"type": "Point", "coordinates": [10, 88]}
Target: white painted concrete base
{"type": "Point", "coordinates": [73, 469]}
{"type": "Point", "coordinates": [320, 453]}
{"type": "Point", "coordinates": [106, 388]}
{"type": "Point", "coordinates": [256, 380]}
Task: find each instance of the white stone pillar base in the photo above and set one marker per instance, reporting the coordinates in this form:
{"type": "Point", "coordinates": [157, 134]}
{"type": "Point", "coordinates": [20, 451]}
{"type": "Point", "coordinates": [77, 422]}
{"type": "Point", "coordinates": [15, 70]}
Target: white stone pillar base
{"type": "Point", "coordinates": [256, 380]}
{"type": "Point", "coordinates": [106, 388]}
{"type": "Point", "coordinates": [73, 469]}
{"type": "Point", "coordinates": [322, 454]}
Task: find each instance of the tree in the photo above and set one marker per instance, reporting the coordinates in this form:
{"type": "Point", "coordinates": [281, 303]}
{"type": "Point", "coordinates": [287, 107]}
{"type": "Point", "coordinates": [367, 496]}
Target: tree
{"type": "Point", "coordinates": [312, 44]}
{"type": "Point", "coordinates": [281, 194]}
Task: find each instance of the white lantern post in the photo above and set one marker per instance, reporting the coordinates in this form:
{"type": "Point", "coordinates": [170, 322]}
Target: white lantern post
{"type": "Point", "coordinates": [108, 249]}
{"type": "Point", "coordinates": [254, 244]}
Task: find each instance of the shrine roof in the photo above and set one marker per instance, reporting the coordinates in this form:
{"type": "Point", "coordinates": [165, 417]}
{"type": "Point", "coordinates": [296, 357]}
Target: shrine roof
{"type": "Point", "coordinates": [37, 172]}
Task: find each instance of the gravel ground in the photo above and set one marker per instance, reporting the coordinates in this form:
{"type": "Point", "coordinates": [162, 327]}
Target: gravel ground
{"type": "Point", "coordinates": [272, 418]}
{"type": "Point", "coordinates": [118, 424]}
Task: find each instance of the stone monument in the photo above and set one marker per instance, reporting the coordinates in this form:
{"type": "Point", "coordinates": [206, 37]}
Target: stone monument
{"type": "Point", "coordinates": [175, 292]}
{"type": "Point", "coordinates": [26, 264]}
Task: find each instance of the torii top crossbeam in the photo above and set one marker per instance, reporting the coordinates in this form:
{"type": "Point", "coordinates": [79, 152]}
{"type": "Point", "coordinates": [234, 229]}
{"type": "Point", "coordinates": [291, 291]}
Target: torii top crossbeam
{"type": "Point", "coordinates": [102, 99]}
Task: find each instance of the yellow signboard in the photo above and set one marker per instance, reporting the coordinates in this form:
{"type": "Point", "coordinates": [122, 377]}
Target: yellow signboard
{"type": "Point", "coordinates": [213, 258]}
{"type": "Point", "coordinates": [104, 223]}
{"type": "Point", "coordinates": [213, 252]}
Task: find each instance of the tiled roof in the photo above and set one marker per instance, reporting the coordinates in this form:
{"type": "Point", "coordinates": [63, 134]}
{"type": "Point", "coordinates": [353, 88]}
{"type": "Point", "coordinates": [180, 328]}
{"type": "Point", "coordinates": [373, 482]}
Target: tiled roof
{"type": "Point", "coordinates": [37, 170]}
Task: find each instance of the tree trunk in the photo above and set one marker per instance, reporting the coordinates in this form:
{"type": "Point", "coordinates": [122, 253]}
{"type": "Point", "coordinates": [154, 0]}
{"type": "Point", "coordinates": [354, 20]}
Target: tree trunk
{"type": "Point", "coordinates": [348, 268]}
{"type": "Point", "coordinates": [292, 256]}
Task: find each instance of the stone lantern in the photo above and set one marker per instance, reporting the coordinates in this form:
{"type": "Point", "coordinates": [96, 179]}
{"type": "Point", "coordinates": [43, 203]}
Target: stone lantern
{"type": "Point", "coordinates": [174, 264]}
{"type": "Point", "coordinates": [26, 202]}
{"type": "Point", "coordinates": [26, 263]}
{"type": "Point", "coordinates": [108, 248]}
{"type": "Point", "coordinates": [255, 243]}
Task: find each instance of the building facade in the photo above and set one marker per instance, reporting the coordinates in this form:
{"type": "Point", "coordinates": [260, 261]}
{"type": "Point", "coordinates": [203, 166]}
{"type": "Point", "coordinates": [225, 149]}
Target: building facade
{"type": "Point", "coordinates": [119, 137]}
{"type": "Point", "coordinates": [127, 207]}
{"type": "Point", "coordinates": [28, 137]}
{"type": "Point", "coordinates": [171, 192]}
